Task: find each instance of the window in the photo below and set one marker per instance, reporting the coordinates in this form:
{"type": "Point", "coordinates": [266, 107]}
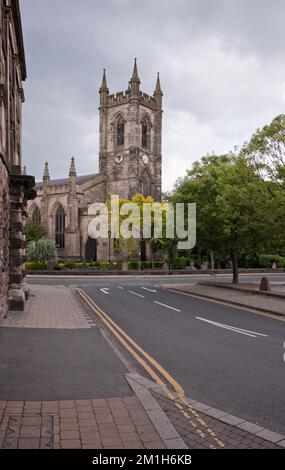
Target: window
{"type": "Point", "coordinates": [120, 131]}
{"type": "Point", "coordinates": [60, 227]}
{"type": "Point", "coordinates": [36, 216]}
{"type": "Point", "coordinates": [145, 139]}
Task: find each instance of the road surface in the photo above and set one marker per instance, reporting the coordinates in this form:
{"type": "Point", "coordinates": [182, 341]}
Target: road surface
{"type": "Point", "coordinates": [224, 356]}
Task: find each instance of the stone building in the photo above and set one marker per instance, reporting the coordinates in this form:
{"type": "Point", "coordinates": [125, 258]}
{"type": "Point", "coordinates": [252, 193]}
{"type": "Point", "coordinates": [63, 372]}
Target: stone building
{"type": "Point", "coordinates": [129, 163]}
{"type": "Point", "coordinates": [15, 187]}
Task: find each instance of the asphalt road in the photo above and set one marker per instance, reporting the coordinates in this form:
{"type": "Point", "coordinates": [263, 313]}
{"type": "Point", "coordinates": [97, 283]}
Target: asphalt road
{"type": "Point", "coordinates": [223, 356]}
{"type": "Point", "coordinates": [148, 279]}
{"type": "Point", "coordinates": [242, 372]}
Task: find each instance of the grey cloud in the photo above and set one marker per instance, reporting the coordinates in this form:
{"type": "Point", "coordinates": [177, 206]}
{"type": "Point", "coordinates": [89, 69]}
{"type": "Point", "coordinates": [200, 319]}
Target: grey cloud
{"type": "Point", "coordinates": [221, 64]}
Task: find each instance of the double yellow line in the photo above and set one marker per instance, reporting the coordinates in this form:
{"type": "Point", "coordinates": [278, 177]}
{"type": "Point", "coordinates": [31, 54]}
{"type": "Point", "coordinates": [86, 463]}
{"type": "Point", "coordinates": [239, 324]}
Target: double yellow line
{"type": "Point", "coordinates": [141, 357]}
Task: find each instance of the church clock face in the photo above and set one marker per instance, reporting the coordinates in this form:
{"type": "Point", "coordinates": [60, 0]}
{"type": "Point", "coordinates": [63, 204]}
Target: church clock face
{"type": "Point", "coordinates": [119, 159]}
{"type": "Point", "coordinates": [145, 159]}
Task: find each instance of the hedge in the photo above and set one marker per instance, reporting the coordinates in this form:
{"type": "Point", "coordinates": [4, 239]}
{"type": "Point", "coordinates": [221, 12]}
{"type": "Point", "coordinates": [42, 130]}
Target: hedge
{"type": "Point", "coordinates": [180, 263]}
{"type": "Point", "coordinates": [35, 266]}
{"type": "Point", "coordinates": [266, 261]}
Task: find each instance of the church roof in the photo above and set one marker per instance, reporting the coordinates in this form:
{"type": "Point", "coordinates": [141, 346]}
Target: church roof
{"type": "Point", "coordinates": [58, 182]}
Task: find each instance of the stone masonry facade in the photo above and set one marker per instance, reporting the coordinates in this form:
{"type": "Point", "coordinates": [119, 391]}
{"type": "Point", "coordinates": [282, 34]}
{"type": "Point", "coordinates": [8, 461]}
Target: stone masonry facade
{"type": "Point", "coordinates": [16, 188]}
{"type": "Point", "coordinates": [4, 239]}
{"type": "Point", "coordinates": [129, 163]}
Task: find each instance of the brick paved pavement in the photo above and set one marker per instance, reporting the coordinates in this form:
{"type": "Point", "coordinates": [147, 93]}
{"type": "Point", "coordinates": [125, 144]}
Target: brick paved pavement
{"type": "Point", "coordinates": [115, 423]}
{"type": "Point", "coordinates": [50, 307]}
{"type": "Point", "coordinates": [231, 436]}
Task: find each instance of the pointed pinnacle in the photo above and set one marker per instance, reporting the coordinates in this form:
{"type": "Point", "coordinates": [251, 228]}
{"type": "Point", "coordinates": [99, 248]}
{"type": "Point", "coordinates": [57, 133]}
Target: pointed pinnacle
{"type": "Point", "coordinates": [104, 86]}
{"type": "Point", "coordinates": [72, 171]}
{"type": "Point", "coordinates": [135, 76]}
{"type": "Point", "coordinates": [158, 86]}
{"type": "Point", "coordinates": [46, 177]}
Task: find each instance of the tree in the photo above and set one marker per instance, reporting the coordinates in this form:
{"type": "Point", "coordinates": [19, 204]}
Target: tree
{"type": "Point", "coordinates": [34, 231]}
{"type": "Point", "coordinates": [235, 206]}
{"type": "Point", "coordinates": [44, 251]}
{"type": "Point", "coordinates": [131, 245]}
{"type": "Point", "coordinates": [266, 150]}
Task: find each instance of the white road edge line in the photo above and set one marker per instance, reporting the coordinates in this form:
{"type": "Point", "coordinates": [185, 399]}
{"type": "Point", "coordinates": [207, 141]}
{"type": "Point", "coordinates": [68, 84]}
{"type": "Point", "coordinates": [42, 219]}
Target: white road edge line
{"type": "Point", "coordinates": [226, 327]}
{"type": "Point", "coordinates": [148, 290]}
{"type": "Point", "coordinates": [242, 329]}
{"type": "Point", "coordinates": [120, 287]}
{"type": "Point", "coordinates": [253, 334]}
{"type": "Point", "coordinates": [167, 306]}
{"type": "Point", "coordinates": [248, 331]}
{"type": "Point", "coordinates": [135, 293]}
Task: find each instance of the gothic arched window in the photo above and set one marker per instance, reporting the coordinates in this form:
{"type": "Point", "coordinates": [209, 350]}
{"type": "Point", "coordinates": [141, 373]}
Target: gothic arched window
{"type": "Point", "coordinates": [60, 227]}
{"type": "Point", "coordinates": [145, 133]}
{"type": "Point", "coordinates": [120, 131]}
{"type": "Point", "coordinates": [36, 216]}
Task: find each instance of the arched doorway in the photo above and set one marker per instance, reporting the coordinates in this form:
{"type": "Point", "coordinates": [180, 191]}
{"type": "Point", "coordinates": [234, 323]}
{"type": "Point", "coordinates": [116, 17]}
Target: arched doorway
{"type": "Point", "coordinates": [91, 250]}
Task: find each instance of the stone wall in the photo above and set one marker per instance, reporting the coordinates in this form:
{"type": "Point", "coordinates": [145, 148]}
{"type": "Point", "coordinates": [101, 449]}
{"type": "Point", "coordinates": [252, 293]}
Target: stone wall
{"type": "Point", "coordinates": [4, 239]}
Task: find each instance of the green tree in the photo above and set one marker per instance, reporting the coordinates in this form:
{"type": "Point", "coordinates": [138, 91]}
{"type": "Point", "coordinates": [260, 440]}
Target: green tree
{"type": "Point", "coordinates": [235, 206]}
{"type": "Point", "coordinates": [266, 150]}
{"type": "Point", "coordinates": [130, 245]}
{"type": "Point", "coordinates": [34, 231]}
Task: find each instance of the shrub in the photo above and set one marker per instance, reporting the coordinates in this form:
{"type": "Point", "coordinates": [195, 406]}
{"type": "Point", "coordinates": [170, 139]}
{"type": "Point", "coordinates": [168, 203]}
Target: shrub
{"type": "Point", "coordinates": [69, 264]}
{"type": "Point", "coordinates": [116, 265]}
{"type": "Point", "coordinates": [81, 265]}
{"type": "Point", "coordinates": [133, 265]}
{"type": "Point", "coordinates": [180, 263]}
{"type": "Point", "coordinates": [44, 251]}
{"type": "Point", "coordinates": [146, 265]}
{"type": "Point", "coordinates": [265, 261]}
{"type": "Point", "coordinates": [58, 268]}
{"type": "Point", "coordinates": [104, 264]}
{"type": "Point", "coordinates": [35, 266]}
{"type": "Point", "coordinates": [159, 264]}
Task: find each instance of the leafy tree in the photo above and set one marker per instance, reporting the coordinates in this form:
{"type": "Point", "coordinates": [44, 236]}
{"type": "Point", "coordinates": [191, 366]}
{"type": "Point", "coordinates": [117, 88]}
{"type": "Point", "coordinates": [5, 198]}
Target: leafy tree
{"type": "Point", "coordinates": [34, 231]}
{"type": "Point", "coordinates": [266, 150]}
{"type": "Point", "coordinates": [236, 208]}
{"type": "Point", "coordinates": [130, 245]}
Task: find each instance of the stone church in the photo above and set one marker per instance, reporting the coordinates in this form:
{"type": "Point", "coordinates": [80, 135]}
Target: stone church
{"type": "Point", "coordinates": [129, 163]}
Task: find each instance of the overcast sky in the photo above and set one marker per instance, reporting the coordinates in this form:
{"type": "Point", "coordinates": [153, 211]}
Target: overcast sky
{"type": "Point", "coordinates": [221, 63]}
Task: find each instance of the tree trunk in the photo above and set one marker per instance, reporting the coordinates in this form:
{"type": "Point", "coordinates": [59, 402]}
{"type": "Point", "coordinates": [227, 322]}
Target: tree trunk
{"type": "Point", "coordinates": [235, 267]}
{"type": "Point", "coordinates": [212, 259]}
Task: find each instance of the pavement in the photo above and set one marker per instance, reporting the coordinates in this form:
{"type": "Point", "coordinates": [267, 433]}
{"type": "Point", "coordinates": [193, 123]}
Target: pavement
{"type": "Point", "coordinates": [262, 303]}
{"type": "Point", "coordinates": [66, 384]}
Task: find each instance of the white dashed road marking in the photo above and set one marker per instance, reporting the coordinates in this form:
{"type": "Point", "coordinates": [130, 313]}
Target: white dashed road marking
{"type": "Point", "coordinates": [149, 290]}
{"type": "Point", "coordinates": [135, 293]}
{"type": "Point", "coordinates": [167, 306]}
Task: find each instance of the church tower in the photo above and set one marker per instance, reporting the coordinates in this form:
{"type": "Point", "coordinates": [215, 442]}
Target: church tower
{"type": "Point", "coordinates": [130, 139]}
